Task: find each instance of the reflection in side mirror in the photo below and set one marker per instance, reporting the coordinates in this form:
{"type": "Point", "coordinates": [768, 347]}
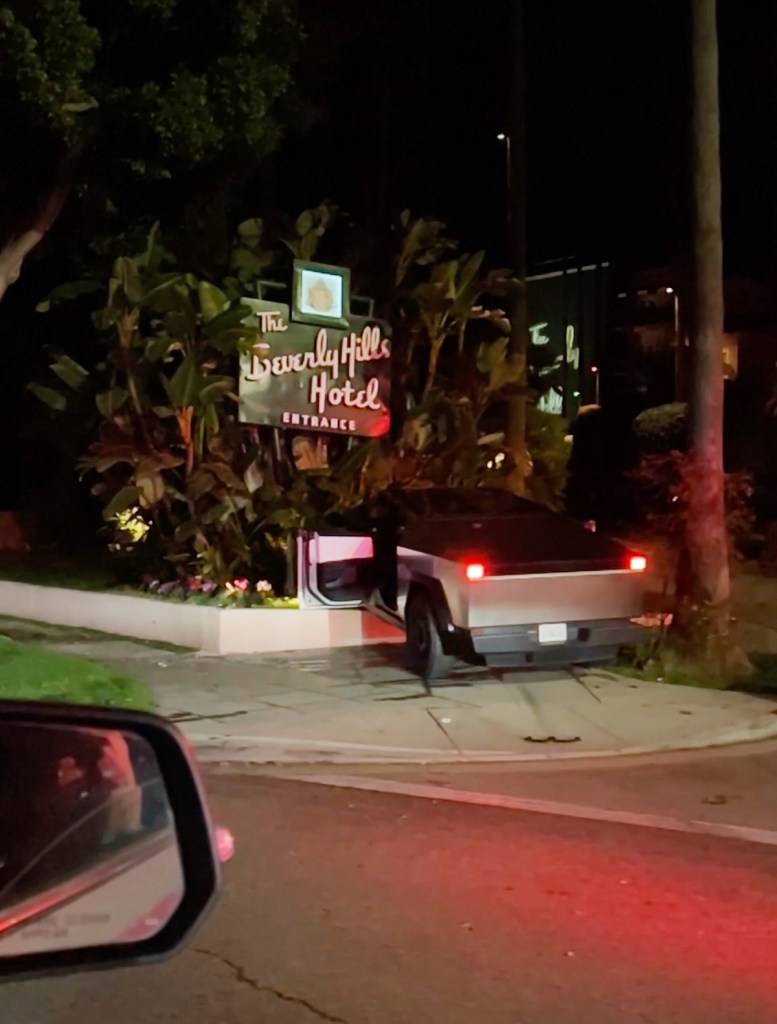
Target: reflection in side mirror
{"type": "Point", "coordinates": [88, 849]}
{"type": "Point", "coordinates": [106, 853]}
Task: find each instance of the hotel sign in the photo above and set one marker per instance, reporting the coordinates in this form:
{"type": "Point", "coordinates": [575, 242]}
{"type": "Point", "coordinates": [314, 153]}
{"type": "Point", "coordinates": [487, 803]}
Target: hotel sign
{"type": "Point", "coordinates": [316, 375]}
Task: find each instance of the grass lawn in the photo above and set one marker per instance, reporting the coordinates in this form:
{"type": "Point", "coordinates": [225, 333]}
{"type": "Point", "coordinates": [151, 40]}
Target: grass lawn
{"type": "Point", "coordinates": [33, 673]}
{"type": "Point", "coordinates": [762, 681]}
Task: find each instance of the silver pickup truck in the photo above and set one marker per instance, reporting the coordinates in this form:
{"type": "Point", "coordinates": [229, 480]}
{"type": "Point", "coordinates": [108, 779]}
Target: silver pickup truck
{"type": "Point", "coordinates": [479, 575]}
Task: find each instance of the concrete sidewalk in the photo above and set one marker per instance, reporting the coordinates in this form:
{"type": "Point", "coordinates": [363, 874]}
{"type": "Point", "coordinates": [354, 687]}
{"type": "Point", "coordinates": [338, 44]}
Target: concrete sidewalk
{"type": "Point", "coordinates": [361, 705]}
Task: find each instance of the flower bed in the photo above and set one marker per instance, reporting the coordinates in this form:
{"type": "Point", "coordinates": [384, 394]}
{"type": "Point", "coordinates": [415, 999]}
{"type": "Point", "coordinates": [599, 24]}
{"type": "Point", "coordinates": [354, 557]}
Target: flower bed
{"type": "Point", "coordinates": [240, 593]}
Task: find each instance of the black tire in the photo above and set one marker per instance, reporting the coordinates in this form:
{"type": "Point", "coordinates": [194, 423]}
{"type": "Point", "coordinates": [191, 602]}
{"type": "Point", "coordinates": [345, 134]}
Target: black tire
{"type": "Point", "coordinates": [424, 644]}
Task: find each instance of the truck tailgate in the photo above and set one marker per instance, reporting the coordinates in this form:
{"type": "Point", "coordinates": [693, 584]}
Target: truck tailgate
{"type": "Point", "coordinates": [555, 597]}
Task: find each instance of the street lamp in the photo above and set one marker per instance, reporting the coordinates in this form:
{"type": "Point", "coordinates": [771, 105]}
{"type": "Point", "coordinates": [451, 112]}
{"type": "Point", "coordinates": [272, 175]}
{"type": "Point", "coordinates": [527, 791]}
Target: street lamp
{"type": "Point", "coordinates": [502, 137]}
{"type": "Point", "coordinates": [595, 372]}
{"type": "Point", "coordinates": [671, 291]}
{"type": "Point", "coordinates": [679, 344]}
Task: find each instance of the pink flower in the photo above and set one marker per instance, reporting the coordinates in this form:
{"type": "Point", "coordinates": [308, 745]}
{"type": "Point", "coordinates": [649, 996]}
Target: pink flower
{"type": "Point", "coordinates": [241, 584]}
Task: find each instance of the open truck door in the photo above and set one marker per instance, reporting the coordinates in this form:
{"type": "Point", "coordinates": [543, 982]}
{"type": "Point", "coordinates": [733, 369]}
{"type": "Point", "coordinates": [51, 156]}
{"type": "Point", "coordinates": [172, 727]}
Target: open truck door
{"type": "Point", "coordinates": [335, 569]}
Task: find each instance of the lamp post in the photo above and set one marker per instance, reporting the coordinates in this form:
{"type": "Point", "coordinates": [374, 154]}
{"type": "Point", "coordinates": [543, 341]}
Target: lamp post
{"type": "Point", "coordinates": [676, 298]}
{"type": "Point", "coordinates": [518, 341]}
{"type": "Point", "coordinates": [679, 344]}
{"type": "Point", "coordinates": [503, 137]}
{"type": "Point", "coordinates": [595, 372]}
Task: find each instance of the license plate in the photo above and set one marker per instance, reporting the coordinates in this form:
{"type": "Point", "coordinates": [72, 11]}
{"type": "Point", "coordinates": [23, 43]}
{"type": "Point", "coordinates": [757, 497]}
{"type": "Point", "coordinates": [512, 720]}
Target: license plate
{"type": "Point", "coordinates": [553, 633]}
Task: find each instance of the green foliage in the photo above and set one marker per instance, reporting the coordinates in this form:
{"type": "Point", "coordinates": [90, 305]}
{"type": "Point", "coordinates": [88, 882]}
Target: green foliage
{"type": "Point", "coordinates": [548, 443]}
{"type": "Point", "coordinates": [308, 230]}
{"type": "Point", "coordinates": [60, 62]}
{"type": "Point", "coordinates": [653, 662]}
{"type": "Point", "coordinates": [180, 481]}
{"type": "Point", "coordinates": [446, 312]}
{"type": "Point", "coordinates": [446, 316]}
{"type": "Point", "coordinates": [249, 260]}
{"type": "Point", "coordinates": [423, 243]}
{"type": "Point", "coordinates": [663, 485]}
{"type": "Point", "coordinates": [32, 673]}
{"type": "Point", "coordinates": [165, 437]}
{"type": "Point", "coordinates": [174, 101]}
{"type": "Point", "coordinates": [662, 429]}
{"type": "Point", "coordinates": [438, 293]}
{"type": "Point", "coordinates": [49, 54]}
{"type": "Point", "coordinates": [443, 443]}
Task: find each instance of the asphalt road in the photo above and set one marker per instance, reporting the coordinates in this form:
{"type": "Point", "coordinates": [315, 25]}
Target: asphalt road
{"type": "Point", "coordinates": [365, 908]}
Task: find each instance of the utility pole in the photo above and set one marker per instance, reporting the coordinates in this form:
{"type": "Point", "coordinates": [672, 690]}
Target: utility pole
{"type": "Point", "coordinates": [518, 344]}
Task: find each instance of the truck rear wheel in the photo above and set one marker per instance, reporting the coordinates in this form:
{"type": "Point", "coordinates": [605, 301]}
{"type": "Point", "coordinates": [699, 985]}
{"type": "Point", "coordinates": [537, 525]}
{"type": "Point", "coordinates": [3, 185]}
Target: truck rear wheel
{"type": "Point", "coordinates": [424, 644]}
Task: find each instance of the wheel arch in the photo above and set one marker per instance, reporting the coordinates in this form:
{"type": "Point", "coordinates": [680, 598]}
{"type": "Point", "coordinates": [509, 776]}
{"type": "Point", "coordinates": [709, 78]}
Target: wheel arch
{"type": "Point", "coordinates": [455, 642]}
{"type": "Point", "coordinates": [432, 589]}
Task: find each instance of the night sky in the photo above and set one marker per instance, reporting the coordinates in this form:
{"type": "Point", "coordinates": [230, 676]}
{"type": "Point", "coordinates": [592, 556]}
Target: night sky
{"type": "Point", "coordinates": [407, 97]}
{"type": "Point", "coordinates": [410, 95]}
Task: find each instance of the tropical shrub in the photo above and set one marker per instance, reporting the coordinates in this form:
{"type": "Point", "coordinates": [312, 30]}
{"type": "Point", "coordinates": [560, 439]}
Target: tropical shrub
{"type": "Point", "coordinates": [166, 444]}
{"type": "Point", "coordinates": [191, 496]}
{"type": "Point", "coordinates": [662, 429]}
{"type": "Point", "coordinates": [663, 484]}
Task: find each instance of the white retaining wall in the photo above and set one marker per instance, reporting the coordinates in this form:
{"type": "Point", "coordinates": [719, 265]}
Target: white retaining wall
{"type": "Point", "coordinates": [208, 629]}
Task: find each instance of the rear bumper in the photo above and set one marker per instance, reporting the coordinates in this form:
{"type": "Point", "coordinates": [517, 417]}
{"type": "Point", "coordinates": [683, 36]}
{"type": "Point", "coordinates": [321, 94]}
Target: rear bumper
{"type": "Point", "coordinates": [520, 644]}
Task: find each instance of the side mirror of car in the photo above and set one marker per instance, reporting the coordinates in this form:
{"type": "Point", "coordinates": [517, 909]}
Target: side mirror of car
{"type": "Point", "coordinates": [107, 852]}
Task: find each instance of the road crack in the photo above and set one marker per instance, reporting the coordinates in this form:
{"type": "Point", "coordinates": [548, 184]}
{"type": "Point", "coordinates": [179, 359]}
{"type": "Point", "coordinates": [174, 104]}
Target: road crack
{"type": "Point", "coordinates": [185, 717]}
{"type": "Point", "coordinates": [244, 978]}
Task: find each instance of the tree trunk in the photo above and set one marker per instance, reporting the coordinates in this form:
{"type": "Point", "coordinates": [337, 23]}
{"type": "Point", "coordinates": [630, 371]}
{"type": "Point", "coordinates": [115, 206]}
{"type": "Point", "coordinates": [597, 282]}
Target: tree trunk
{"type": "Point", "coordinates": [703, 632]}
{"type": "Point", "coordinates": [13, 254]}
{"type": "Point", "coordinates": [518, 344]}
{"type": "Point", "coordinates": [16, 249]}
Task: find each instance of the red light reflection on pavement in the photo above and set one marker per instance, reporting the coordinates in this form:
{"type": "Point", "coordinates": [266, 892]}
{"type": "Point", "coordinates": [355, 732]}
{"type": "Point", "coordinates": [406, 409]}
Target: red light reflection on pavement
{"type": "Point", "coordinates": [641, 909]}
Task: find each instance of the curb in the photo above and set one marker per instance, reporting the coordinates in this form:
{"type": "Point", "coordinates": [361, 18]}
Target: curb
{"type": "Point", "coordinates": [528, 805]}
{"type": "Point", "coordinates": [273, 751]}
